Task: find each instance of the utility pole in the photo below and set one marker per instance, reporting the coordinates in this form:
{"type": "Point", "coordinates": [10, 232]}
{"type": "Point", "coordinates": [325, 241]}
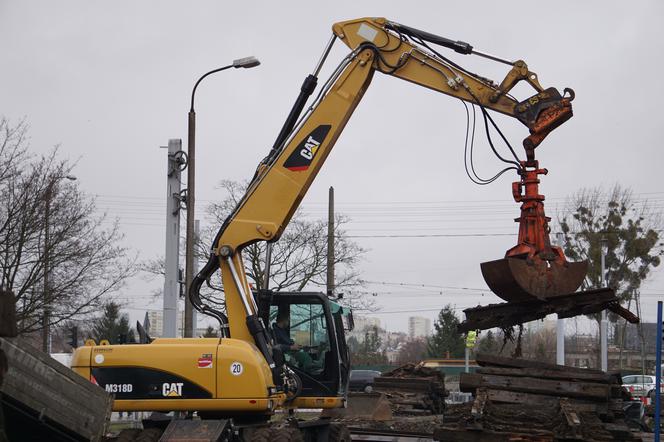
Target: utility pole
{"type": "Point", "coordinates": [560, 341]}
{"type": "Point", "coordinates": [176, 161]}
{"type": "Point", "coordinates": [194, 316]}
{"type": "Point", "coordinates": [330, 243]}
{"type": "Point", "coordinates": [658, 371]}
{"type": "Point", "coordinates": [191, 214]}
{"type": "Point", "coordinates": [604, 326]}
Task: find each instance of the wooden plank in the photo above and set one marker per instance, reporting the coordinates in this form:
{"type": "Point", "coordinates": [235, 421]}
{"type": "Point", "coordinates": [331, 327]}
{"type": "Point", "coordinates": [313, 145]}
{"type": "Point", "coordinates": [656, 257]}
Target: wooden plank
{"type": "Point", "coordinates": [485, 359]}
{"type": "Point", "coordinates": [7, 314]}
{"type": "Point", "coordinates": [508, 314]}
{"type": "Point", "coordinates": [407, 386]}
{"type": "Point", "coordinates": [544, 373]}
{"type": "Point", "coordinates": [470, 381]}
{"type": "Point", "coordinates": [479, 403]}
{"type": "Point", "coordinates": [515, 397]}
{"type": "Point", "coordinates": [3, 365]}
{"type": "Point", "coordinates": [43, 384]}
{"type": "Point", "coordinates": [464, 435]}
{"type": "Point", "coordinates": [619, 431]}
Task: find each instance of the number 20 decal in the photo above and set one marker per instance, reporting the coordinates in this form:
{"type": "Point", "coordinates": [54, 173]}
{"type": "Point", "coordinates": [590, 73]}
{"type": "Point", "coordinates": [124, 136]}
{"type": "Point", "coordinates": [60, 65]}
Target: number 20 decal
{"type": "Point", "coordinates": [236, 368]}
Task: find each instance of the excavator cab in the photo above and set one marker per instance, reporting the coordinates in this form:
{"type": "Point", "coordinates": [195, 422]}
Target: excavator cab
{"type": "Point", "coordinates": [307, 328]}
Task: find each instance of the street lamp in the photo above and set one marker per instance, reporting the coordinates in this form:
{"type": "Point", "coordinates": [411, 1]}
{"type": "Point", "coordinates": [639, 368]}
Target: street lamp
{"type": "Point", "coordinates": [48, 196]}
{"type": "Point", "coordinates": [247, 62]}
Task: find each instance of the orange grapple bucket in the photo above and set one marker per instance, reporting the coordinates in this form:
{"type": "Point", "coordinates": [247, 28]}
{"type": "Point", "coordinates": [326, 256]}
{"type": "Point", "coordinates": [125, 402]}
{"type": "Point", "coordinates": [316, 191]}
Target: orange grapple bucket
{"type": "Point", "coordinates": [516, 279]}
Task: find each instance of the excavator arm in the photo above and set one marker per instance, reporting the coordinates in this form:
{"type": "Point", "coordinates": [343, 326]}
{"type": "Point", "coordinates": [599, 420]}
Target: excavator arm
{"type": "Point", "coordinates": [284, 176]}
{"type": "Point", "coordinates": [398, 56]}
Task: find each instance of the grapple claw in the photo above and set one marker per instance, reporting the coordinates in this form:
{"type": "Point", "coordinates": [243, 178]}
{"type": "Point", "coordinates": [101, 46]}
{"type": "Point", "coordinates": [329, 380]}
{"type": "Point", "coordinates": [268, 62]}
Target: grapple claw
{"type": "Point", "coordinates": [515, 279]}
{"type": "Point", "coordinates": [533, 269]}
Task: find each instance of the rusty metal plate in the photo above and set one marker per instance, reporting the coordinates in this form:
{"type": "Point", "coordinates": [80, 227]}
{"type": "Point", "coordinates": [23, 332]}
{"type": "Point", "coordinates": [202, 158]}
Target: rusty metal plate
{"type": "Point", "coordinates": [516, 280]}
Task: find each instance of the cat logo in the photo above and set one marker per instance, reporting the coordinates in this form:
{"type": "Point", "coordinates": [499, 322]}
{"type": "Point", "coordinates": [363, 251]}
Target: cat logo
{"type": "Point", "coordinates": [300, 159]}
{"type": "Point", "coordinates": [173, 389]}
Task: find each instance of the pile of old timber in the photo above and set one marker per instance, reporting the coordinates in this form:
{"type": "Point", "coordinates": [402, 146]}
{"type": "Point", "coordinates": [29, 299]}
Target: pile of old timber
{"type": "Point", "coordinates": [527, 400]}
{"type": "Point", "coordinates": [8, 330]}
{"type": "Point", "coordinates": [40, 398]}
{"type": "Point", "coordinates": [413, 390]}
{"type": "Point", "coordinates": [507, 314]}
{"type": "Point", "coordinates": [409, 398]}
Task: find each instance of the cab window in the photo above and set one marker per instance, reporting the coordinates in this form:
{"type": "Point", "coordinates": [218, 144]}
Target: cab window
{"type": "Point", "coordinates": [308, 339]}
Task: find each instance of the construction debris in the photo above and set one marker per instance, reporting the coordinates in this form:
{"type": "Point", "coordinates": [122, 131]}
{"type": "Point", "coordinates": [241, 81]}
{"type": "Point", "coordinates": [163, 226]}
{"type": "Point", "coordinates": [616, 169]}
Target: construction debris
{"type": "Point", "coordinates": [362, 407]}
{"type": "Point", "coordinates": [409, 399]}
{"type": "Point", "coordinates": [413, 390]}
{"type": "Point", "coordinates": [8, 330]}
{"type": "Point", "coordinates": [7, 314]}
{"type": "Point", "coordinates": [507, 314]}
{"type": "Point", "coordinates": [525, 400]}
{"type": "Point", "coordinates": [40, 398]}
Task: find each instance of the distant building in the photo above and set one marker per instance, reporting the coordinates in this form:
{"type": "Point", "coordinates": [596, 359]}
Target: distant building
{"type": "Point", "coordinates": [364, 322]}
{"type": "Point", "coordinates": [156, 319]}
{"type": "Point", "coordinates": [361, 325]}
{"type": "Point", "coordinates": [418, 327]}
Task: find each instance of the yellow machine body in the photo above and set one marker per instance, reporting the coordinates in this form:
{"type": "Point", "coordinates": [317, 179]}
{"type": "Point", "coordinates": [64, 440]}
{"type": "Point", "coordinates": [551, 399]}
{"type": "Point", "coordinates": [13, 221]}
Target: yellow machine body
{"type": "Point", "coordinates": [181, 374]}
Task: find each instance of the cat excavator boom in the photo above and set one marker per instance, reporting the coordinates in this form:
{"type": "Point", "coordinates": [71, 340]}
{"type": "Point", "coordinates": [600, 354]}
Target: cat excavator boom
{"type": "Point", "coordinates": [255, 367]}
{"type": "Point", "coordinates": [285, 174]}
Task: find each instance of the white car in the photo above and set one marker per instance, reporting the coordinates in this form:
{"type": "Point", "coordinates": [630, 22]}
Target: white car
{"type": "Point", "coordinates": [639, 385]}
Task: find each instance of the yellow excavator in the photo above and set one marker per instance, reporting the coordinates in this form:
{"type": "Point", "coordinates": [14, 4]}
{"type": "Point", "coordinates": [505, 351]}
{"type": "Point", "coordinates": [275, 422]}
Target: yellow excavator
{"type": "Point", "coordinates": [239, 380]}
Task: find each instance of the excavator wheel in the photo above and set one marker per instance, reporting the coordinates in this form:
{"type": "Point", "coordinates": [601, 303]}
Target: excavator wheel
{"type": "Point", "coordinates": [286, 434]}
{"type": "Point", "coordinates": [261, 435]}
{"type": "Point", "coordinates": [339, 433]}
{"type": "Point", "coordinates": [515, 279]}
{"type": "Point", "coordinates": [275, 434]}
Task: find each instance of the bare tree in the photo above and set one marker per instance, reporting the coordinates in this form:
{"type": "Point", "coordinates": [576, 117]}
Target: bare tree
{"type": "Point", "coordinates": [412, 351]}
{"type": "Point", "coordinates": [629, 229]}
{"type": "Point", "coordinates": [13, 148]}
{"type": "Point", "coordinates": [85, 261]}
{"type": "Point", "coordinates": [299, 258]}
{"type": "Point", "coordinates": [630, 232]}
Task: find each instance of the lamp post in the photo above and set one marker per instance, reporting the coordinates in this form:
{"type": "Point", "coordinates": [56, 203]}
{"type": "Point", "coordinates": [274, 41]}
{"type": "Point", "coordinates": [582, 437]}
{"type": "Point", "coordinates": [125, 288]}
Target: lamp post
{"type": "Point", "coordinates": [248, 62]}
{"type": "Point", "coordinates": [48, 196]}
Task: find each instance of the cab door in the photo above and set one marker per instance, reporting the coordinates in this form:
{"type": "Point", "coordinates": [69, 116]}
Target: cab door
{"type": "Point", "coordinates": [311, 332]}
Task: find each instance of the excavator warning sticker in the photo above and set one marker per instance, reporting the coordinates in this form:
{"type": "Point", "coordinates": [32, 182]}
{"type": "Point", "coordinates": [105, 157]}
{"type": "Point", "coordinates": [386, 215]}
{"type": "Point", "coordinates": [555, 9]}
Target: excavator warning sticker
{"type": "Point", "coordinates": [300, 159]}
{"type": "Point", "coordinates": [205, 361]}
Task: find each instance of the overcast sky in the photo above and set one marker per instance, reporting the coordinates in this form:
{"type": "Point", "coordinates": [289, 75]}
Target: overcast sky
{"type": "Point", "coordinates": [110, 82]}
